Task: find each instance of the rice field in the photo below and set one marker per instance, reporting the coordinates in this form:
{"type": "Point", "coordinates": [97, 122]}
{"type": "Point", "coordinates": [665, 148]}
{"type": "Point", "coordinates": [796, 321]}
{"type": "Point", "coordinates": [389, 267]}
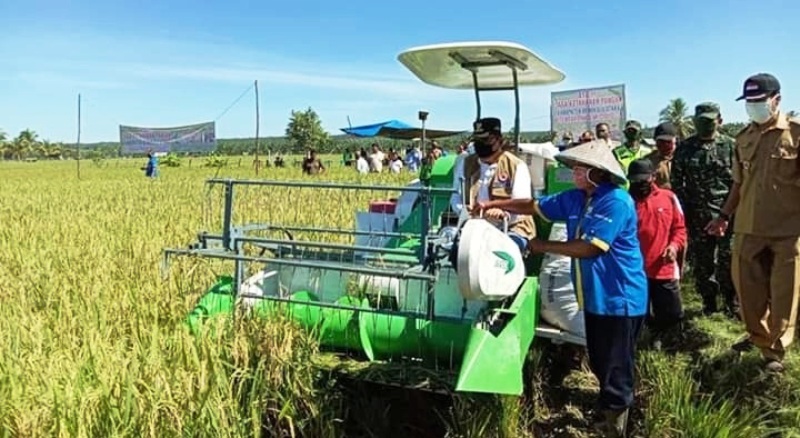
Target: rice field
{"type": "Point", "coordinates": [93, 341]}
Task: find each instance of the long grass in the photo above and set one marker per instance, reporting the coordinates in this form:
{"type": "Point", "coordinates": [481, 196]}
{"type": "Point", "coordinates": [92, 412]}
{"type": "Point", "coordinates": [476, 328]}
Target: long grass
{"type": "Point", "coordinates": [92, 339]}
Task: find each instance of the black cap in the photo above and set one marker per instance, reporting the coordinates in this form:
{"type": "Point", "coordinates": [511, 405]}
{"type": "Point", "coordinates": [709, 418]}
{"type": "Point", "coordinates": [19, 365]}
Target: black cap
{"type": "Point", "coordinates": [665, 131]}
{"type": "Point", "coordinates": [640, 170]}
{"type": "Point", "coordinates": [633, 124]}
{"type": "Point", "coordinates": [483, 127]}
{"type": "Point", "coordinates": [760, 86]}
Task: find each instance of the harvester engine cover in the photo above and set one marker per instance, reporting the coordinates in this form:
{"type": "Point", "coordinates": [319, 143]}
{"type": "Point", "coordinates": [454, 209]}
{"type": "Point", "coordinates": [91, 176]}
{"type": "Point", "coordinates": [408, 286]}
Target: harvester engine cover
{"type": "Point", "coordinates": [489, 263]}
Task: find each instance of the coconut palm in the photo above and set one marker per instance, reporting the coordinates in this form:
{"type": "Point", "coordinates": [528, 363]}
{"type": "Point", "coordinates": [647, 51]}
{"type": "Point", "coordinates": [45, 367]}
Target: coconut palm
{"type": "Point", "coordinates": [26, 142]}
{"type": "Point", "coordinates": [677, 112]}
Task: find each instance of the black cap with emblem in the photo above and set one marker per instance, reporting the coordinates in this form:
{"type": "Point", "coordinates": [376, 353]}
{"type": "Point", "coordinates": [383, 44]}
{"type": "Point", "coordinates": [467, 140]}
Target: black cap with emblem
{"type": "Point", "coordinates": [483, 127]}
{"type": "Point", "coordinates": [760, 86]}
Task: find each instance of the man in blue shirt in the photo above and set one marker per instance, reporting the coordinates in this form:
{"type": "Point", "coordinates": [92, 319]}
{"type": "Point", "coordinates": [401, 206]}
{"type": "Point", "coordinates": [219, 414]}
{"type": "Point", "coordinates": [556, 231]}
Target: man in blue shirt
{"type": "Point", "coordinates": [607, 269]}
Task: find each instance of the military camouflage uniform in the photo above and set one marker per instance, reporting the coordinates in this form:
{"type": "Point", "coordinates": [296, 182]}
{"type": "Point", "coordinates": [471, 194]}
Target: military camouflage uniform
{"type": "Point", "coordinates": [701, 177]}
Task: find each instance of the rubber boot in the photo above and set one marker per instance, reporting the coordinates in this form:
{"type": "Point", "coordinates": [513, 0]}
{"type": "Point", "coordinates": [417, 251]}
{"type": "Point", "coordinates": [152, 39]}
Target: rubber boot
{"type": "Point", "coordinates": [614, 424]}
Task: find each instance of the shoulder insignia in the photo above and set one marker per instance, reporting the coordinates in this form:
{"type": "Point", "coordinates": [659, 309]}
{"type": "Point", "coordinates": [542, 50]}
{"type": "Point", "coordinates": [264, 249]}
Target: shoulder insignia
{"type": "Point", "coordinates": [743, 130]}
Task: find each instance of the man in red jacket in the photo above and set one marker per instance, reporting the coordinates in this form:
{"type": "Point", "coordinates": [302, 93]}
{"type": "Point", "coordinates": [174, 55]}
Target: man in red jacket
{"type": "Point", "coordinates": [662, 236]}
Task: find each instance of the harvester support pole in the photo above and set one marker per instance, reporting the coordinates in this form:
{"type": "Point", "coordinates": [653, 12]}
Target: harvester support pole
{"type": "Point", "coordinates": [516, 106]}
{"type": "Point", "coordinates": [425, 221]}
{"type": "Point", "coordinates": [226, 216]}
{"type": "Point", "coordinates": [477, 93]}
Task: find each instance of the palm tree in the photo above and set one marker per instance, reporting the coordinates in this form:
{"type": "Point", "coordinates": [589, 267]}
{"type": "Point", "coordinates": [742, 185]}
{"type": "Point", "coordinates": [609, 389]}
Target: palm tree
{"type": "Point", "coordinates": [25, 142]}
{"type": "Point", "coordinates": [3, 145]}
{"type": "Point", "coordinates": [677, 112]}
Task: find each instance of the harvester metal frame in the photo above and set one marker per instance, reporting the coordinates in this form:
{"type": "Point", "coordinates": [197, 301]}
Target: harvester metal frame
{"type": "Point", "coordinates": [228, 245]}
{"type": "Point", "coordinates": [484, 329]}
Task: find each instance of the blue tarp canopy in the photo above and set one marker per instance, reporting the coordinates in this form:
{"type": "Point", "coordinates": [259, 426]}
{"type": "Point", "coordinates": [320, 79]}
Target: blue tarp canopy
{"type": "Point", "coordinates": [397, 130]}
{"type": "Point", "coordinates": [375, 129]}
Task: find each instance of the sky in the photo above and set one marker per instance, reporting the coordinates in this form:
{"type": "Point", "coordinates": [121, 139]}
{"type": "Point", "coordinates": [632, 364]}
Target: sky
{"type": "Point", "coordinates": [178, 62]}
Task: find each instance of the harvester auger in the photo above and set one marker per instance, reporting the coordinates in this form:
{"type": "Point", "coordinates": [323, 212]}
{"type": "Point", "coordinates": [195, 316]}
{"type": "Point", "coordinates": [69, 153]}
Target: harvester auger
{"type": "Point", "coordinates": [387, 292]}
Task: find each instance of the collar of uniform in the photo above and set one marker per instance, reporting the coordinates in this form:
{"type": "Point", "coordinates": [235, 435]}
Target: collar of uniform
{"type": "Point", "coordinates": [781, 122]}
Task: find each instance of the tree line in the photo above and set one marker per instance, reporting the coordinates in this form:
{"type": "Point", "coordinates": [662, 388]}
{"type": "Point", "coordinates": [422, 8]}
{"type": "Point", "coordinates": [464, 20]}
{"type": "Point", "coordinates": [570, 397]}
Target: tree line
{"type": "Point", "coordinates": [304, 131]}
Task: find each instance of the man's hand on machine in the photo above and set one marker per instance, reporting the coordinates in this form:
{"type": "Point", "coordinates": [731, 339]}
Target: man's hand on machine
{"type": "Point", "coordinates": [495, 214]}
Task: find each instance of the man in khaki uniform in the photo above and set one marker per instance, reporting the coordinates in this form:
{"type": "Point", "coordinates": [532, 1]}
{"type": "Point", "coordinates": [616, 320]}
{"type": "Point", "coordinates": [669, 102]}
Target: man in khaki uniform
{"type": "Point", "coordinates": [495, 174]}
{"type": "Point", "coordinates": [765, 197]}
{"type": "Point", "coordinates": [665, 136]}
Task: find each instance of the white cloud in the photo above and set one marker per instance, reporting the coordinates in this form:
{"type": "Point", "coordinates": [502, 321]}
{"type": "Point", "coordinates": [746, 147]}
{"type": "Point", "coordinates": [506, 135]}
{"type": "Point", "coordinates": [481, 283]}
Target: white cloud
{"type": "Point", "coordinates": [50, 78]}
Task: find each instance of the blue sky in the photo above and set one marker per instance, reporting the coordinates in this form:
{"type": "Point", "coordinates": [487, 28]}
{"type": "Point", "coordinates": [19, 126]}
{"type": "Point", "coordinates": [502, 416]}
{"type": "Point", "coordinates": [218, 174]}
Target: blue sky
{"type": "Point", "coordinates": [175, 62]}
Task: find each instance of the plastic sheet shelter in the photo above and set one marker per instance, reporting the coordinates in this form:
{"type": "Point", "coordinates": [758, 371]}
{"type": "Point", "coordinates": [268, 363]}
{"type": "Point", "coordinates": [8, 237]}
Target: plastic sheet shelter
{"type": "Point", "coordinates": [398, 130]}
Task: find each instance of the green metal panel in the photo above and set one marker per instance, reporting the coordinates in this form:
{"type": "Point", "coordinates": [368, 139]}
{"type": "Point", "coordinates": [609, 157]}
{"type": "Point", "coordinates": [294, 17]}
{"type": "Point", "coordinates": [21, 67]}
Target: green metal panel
{"type": "Point", "coordinates": [559, 179]}
{"type": "Point", "coordinates": [493, 362]}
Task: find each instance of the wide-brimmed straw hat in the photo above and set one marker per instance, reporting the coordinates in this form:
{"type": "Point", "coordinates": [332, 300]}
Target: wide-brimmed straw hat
{"type": "Point", "coordinates": [594, 154]}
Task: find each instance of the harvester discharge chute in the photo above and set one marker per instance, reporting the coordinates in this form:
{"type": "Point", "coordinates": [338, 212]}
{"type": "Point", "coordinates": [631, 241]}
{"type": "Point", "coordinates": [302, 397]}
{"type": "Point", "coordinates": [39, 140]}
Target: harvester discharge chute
{"type": "Point", "coordinates": [389, 290]}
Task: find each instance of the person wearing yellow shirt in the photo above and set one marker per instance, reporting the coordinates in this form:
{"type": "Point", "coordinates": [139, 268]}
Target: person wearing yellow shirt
{"type": "Point", "coordinates": [632, 148]}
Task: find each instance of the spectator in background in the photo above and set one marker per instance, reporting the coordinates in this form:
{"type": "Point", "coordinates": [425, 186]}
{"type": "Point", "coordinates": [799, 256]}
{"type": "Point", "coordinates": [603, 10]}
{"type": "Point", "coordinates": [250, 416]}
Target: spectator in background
{"type": "Point", "coordinates": [376, 159]}
{"type": "Point", "coordinates": [312, 165]}
{"type": "Point", "coordinates": [362, 163]}
{"type": "Point", "coordinates": [586, 137]}
{"type": "Point", "coordinates": [662, 237]}
{"type": "Point", "coordinates": [603, 133]}
{"type": "Point", "coordinates": [632, 149]}
{"type": "Point", "coordinates": [566, 141]}
{"type": "Point", "coordinates": [151, 168]}
{"type": "Point", "coordinates": [665, 136]}
{"type": "Point", "coordinates": [395, 162]}
{"type": "Point", "coordinates": [413, 158]}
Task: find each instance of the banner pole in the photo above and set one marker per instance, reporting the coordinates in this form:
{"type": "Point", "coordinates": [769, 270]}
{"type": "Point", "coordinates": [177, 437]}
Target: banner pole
{"type": "Point", "coordinates": [78, 143]}
{"type": "Point", "coordinates": [258, 163]}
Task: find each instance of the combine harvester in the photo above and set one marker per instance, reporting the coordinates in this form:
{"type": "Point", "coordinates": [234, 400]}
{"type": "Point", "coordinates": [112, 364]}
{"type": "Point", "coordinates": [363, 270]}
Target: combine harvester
{"type": "Point", "coordinates": [386, 293]}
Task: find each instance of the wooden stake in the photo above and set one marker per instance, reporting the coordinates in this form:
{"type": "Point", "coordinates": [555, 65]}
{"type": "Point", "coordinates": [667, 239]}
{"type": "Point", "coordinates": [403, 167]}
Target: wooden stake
{"type": "Point", "coordinates": [78, 144]}
{"type": "Point", "coordinates": [258, 163]}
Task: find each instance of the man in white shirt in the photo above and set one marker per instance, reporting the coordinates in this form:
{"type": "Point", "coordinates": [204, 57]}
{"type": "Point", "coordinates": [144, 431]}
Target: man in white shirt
{"type": "Point", "coordinates": [377, 158]}
{"type": "Point", "coordinates": [492, 173]}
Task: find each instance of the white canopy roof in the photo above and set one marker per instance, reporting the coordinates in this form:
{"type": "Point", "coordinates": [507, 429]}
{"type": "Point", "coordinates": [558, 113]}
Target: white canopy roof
{"type": "Point", "coordinates": [443, 65]}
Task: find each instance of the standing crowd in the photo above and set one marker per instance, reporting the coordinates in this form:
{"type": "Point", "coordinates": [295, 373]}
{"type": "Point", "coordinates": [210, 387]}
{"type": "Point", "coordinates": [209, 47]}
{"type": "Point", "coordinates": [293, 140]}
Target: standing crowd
{"type": "Point", "coordinates": [727, 207]}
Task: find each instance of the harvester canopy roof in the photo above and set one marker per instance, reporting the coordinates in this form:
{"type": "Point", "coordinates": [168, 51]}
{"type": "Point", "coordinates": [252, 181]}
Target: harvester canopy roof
{"type": "Point", "coordinates": [450, 65]}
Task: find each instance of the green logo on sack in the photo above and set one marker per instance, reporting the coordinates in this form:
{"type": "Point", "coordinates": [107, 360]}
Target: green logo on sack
{"type": "Point", "coordinates": [506, 261]}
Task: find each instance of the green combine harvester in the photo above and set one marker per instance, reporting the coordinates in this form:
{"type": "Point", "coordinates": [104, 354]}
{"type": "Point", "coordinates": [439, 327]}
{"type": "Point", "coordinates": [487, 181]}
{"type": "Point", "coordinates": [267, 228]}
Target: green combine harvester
{"type": "Point", "coordinates": [391, 296]}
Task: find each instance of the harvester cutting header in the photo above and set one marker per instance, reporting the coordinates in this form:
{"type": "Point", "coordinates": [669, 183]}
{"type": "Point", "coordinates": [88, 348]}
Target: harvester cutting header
{"type": "Point", "coordinates": [413, 282]}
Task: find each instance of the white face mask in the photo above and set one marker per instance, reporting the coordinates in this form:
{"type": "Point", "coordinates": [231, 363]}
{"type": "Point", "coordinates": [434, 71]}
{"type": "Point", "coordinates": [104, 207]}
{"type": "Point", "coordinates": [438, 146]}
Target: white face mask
{"type": "Point", "coordinates": [759, 112]}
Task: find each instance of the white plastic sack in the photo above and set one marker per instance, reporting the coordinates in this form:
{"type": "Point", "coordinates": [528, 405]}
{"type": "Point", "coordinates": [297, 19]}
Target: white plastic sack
{"type": "Point", "coordinates": [559, 303]}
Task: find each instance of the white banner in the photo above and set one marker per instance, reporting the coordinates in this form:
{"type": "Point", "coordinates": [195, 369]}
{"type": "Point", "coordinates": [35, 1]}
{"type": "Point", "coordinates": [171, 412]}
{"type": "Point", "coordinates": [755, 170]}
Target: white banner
{"type": "Point", "coordinates": [577, 111]}
{"type": "Point", "coordinates": [192, 138]}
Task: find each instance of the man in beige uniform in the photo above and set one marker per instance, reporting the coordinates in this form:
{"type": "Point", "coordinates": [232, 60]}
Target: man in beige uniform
{"type": "Point", "coordinates": [665, 136]}
{"type": "Point", "coordinates": [765, 197]}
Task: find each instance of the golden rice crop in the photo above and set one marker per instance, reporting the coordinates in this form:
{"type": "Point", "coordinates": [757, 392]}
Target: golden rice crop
{"type": "Point", "coordinates": [93, 341]}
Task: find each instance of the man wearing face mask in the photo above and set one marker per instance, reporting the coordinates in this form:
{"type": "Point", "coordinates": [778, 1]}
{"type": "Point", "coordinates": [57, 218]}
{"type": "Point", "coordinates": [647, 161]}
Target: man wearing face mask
{"type": "Point", "coordinates": [493, 173]}
{"type": "Point", "coordinates": [662, 236]}
{"type": "Point", "coordinates": [607, 271]}
{"type": "Point", "coordinates": [632, 148]}
{"type": "Point", "coordinates": [766, 200]}
{"type": "Point", "coordinates": [664, 135]}
{"type": "Point", "coordinates": [702, 177]}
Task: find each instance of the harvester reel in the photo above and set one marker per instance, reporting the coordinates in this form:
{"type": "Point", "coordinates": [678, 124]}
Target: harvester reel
{"type": "Point", "coordinates": [488, 262]}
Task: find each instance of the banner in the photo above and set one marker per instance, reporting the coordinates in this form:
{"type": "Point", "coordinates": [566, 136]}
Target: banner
{"type": "Point", "coordinates": [577, 111]}
{"type": "Point", "coordinates": [192, 138]}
